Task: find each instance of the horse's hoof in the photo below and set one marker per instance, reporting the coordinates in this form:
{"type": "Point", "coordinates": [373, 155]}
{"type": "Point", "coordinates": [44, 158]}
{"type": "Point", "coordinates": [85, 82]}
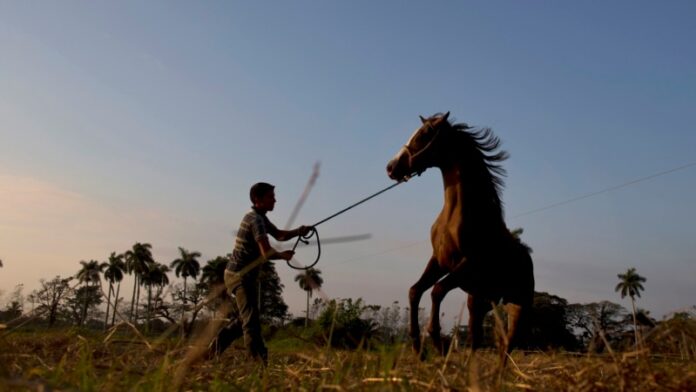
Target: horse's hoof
{"type": "Point", "coordinates": [438, 345]}
{"type": "Point", "coordinates": [416, 348]}
{"type": "Point", "coordinates": [422, 354]}
{"type": "Point", "coordinates": [444, 346]}
{"type": "Point", "coordinates": [419, 350]}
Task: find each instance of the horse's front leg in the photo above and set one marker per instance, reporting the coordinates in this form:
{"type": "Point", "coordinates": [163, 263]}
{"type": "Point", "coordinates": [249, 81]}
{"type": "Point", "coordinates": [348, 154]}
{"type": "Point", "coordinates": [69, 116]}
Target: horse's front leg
{"type": "Point", "coordinates": [439, 292]}
{"type": "Point", "coordinates": [432, 273]}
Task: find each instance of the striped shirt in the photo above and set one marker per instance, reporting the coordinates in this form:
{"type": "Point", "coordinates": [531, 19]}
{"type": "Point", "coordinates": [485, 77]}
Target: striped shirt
{"type": "Point", "coordinates": [253, 228]}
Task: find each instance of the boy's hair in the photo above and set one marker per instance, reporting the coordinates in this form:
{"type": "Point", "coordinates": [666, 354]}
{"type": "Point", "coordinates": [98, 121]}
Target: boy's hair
{"type": "Point", "coordinates": [259, 190]}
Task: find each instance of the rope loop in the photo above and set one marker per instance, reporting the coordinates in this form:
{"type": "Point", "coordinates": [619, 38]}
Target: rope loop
{"type": "Point", "coordinates": [305, 240]}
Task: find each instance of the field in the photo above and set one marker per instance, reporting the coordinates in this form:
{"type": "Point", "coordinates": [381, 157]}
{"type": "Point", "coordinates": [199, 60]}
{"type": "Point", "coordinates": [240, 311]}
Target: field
{"type": "Point", "coordinates": [72, 359]}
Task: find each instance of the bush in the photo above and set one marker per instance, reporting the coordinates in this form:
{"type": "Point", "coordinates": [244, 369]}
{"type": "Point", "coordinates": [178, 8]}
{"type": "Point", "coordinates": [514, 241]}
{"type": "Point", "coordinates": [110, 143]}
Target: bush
{"type": "Point", "coordinates": [676, 336]}
{"type": "Point", "coordinates": [342, 323]}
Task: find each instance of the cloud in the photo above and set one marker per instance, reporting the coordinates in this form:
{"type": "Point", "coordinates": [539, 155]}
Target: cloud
{"type": "Point", "coordinates": [46, 230]}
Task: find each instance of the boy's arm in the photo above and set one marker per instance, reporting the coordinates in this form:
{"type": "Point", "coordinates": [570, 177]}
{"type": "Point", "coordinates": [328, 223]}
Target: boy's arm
{"type": "Point", "coordinates": [284, 235]}
{"type": "Point", "coordinates": [269, 253]}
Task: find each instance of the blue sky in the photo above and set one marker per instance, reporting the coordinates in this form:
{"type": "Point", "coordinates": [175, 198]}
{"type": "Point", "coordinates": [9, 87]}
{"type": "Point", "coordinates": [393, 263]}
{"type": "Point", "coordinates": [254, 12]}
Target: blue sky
{"type": "Point", "coordinates": [130, 121]}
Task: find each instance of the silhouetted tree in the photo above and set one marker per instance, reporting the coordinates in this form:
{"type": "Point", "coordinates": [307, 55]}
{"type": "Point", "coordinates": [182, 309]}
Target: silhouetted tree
{"type": "Point", "coordinates": [89, 276]}
{"type": "Point", "coordinates": [213, 273]}
{"type": "Point", "coordinates": [186, 265]}
{"type": "Point", "coordinates": [195, 297]}
{"type": "Point", "coordinates": [309, 280]}
{"type": "Point", "coordinates": [113, 273]}
{"type": "Point", "coordinates": [550, 326]}
{"type": "Point", "coordinates": [138, 260]}
{"type": "Point", "coordinates": [12, 311]}
{"type": "Point", "coordinates": [213, 281]}
{"type": "Point", "coordinates": [15, 305]}
{"type": "Point", "coordinates": [156, 276]}
{"type": "Point", "coordinates": [272, 305]}
{"type": "Point", "coordinates": [50, 296]}
{"type": "Point", "coordinates": [81, 304]}
{"type": "Point", "coordinates": [596, 319]}
{"type": "Point", "coordinates": [644, 318]}
{"type": "Point", "coordinates": [631, 284]}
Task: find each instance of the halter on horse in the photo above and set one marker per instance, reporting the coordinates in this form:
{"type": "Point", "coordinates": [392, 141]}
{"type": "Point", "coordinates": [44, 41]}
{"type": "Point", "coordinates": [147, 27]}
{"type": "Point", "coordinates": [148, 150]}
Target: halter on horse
{"type": "Point", "coordinates": [472, 247]}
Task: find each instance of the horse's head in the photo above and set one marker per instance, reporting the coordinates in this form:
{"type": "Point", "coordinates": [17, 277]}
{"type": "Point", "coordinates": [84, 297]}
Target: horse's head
{"type": "Point", "coordinates": [419, 152]}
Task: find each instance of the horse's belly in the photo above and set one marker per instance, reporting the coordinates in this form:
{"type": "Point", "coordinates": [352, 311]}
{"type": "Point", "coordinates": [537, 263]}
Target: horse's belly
{"type": "Point", "coordinates": [448, 254]}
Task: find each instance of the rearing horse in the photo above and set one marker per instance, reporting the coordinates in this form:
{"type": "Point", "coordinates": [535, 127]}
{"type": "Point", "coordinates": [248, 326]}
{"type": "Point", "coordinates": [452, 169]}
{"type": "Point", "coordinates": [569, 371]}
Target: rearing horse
{"type": "Point", "coordinates": [472, 247]}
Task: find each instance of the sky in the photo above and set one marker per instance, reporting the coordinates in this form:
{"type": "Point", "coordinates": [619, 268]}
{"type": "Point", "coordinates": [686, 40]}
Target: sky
{"type": "Point", "coordinates": [124, 122]}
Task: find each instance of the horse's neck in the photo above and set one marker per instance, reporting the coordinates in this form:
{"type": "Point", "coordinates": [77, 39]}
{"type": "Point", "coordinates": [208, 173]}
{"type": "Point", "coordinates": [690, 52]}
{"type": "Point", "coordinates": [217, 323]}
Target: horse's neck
{"type": "Point", "coordinates": [466, 201]}
{"type": "Point", "coordinates": [455, 195]}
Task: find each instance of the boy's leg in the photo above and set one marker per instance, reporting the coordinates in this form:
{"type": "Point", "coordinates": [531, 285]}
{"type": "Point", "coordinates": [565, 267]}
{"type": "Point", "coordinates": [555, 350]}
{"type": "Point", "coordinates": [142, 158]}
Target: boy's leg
{"type": "Point", "coordinates": [232, 330]}
{"type": "Point", "coordinates": [227, 335]}
{"type": "Point", "coordinates": [247, 298]}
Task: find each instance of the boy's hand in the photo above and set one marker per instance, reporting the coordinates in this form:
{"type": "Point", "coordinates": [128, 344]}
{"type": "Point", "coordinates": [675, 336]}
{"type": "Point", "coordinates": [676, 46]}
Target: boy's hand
{"type": "Point", "coordinates": [303, 230]}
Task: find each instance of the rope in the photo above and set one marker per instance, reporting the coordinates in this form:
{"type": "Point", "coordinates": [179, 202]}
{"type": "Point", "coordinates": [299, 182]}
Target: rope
{"type": "Point", "coordinates": [305, 240]}
{"type": "Point", "coordinates": [358, 203]}
{"type": "Point", "coordinates": [313, 230]}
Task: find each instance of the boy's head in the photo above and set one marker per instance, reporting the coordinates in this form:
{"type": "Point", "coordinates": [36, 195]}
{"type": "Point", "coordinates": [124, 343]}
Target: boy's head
{"type": "Point", "coordinates": [262, 196]}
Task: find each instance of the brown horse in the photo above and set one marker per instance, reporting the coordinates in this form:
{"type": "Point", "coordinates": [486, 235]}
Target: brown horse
{"type": "Point", "coordinates": [472, 247]}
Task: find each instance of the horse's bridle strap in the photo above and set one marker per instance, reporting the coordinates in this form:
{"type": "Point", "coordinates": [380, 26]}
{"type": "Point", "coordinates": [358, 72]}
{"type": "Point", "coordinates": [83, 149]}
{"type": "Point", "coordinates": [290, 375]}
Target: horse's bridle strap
{"type": "Point", "coordinates": [411, 155]}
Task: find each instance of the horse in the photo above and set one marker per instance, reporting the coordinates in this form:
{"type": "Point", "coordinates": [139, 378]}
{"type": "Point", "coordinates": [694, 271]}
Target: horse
{"type": "Point", "coordinates": [472, 247]}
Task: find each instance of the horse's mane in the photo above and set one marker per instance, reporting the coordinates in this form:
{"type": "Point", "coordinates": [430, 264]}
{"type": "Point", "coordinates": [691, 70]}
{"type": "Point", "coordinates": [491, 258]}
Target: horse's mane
{"type": "Point", "coordinates": [480, 146]}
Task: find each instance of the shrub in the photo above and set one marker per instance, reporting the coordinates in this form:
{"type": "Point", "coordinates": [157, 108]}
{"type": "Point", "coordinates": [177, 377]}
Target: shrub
{"type": "Point", "coordinates": [342, 323]}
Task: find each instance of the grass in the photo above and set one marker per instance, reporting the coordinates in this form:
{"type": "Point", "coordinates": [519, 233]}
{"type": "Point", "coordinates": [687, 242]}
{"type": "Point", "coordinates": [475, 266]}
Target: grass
{"type": "Point", "coordinates": [83, 360]}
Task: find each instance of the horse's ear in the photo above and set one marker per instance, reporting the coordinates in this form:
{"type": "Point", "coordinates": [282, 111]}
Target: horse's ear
{"type": "Point", "coordinates": [423, 120]}
{"type": "Point", "coordinates": [445, 116]}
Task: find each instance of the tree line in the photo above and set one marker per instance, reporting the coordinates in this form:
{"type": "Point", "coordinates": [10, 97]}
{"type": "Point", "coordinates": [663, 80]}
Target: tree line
{"type": "Point", "coordinates": [82, 300]}
{"type": "Point", "coordinates": [155, 303]}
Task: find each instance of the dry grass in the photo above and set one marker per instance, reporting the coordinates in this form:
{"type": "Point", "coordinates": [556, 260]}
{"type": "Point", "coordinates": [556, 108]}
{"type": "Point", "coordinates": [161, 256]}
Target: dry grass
{"type": "Point", "coordinates": [66, 360]}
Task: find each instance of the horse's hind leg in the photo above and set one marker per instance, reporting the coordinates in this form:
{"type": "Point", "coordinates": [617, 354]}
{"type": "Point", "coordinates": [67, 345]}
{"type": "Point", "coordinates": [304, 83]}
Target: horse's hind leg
{"type": "Point", "coordinates": [432, 274]}
{"type": "Point", "coordinates": [478, 307]}
{"type": "Point", "coordinates": [514, 315]}
{"type": "Point", "coordinates": [519, 304]}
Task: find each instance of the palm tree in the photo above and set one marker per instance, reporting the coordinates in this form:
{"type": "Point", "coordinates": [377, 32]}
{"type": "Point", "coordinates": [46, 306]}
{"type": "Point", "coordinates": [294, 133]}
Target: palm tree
{"type": "Point", "coordinates": [89, 275]}
{"type": "Point", "coordinates": [213, 279]}
{"type": "Point", "coordinates": [138, 261]}
{"type": "Point", "coordinates": [113, 273]}
{"type": "Point", "coordinates": [630, 283]}
{"type": "Point", "coordinates": [156, 275]}
{"type": "Point", "coordinates": [213, 273]}
{"type": "Point", "coordinates": [186, 265]}
{"type": "Point", "coordinates": [309, 280]}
